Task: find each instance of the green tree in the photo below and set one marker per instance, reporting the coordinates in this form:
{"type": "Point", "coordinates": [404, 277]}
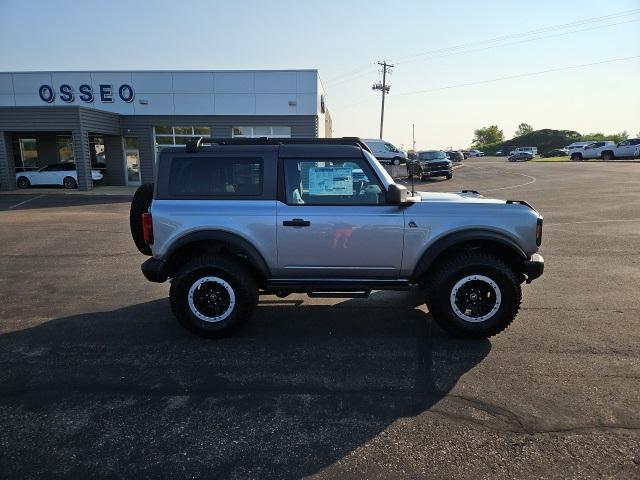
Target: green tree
{"type": "Point", "coordinates": [485, 135]}
{"type": "Point", "coordinates": [523, 129]}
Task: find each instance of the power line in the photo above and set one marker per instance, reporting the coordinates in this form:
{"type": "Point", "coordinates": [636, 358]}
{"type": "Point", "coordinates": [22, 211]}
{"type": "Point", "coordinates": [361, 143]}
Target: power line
{"type": "Point", "coordinates": [521, 75]}
{"type": "Point", "coordinates": [523, 41]}
{"type": "Point", "coordinates": [456, 49]}
{"type": "Point", "coordinates": [523, 34]}
{"type": "Point", "coordinates": [498, 79]}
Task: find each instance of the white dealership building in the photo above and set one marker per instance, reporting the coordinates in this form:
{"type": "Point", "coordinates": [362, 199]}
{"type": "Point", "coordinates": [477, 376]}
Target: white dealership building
{"type": "Point", "coordinates": [117, 120]}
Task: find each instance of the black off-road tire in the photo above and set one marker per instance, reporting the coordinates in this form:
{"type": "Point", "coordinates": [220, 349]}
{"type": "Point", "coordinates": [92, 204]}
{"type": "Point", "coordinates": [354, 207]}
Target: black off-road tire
{"type": "Point", "coordinates": [23, 182]}
{"type": "Point", "coordinates": [224, 267]}
{"type": "Point", "coordinates": [140, 204]}
{"type": "Point", "coordinates": [449, 177]}
{"type": "Point", "coordinates": [440, 286]}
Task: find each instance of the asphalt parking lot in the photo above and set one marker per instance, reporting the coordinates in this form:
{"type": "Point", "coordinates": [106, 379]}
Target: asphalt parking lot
{"type": "Point", "coordinates": [98, 380]}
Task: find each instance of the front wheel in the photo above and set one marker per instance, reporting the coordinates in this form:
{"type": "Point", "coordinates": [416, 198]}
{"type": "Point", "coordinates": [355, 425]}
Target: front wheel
{"type": "Point", "coordinates": [213, 295]}
{"type": "Point", "coordinates": [396, 161]}
{"type": "Point", "coordinates": [449, 177]}
{"type": "Point", "coordinates": [576, 157]}
{"type": "Point", "coordinates": [607, 156]}
{"type": "Point", "coordinates": [69, 183]}
{"type": "Point", "coordinates": [474, 295]}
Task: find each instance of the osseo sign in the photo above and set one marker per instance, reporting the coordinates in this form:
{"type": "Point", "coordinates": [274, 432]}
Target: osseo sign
{"type": "Point", "coordinates": [106, 93]}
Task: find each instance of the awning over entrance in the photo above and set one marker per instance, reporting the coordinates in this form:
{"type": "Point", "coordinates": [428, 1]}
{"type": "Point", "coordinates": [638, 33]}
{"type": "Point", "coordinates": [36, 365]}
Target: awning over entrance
{"type": "Point", "coordinates": [64, 133]}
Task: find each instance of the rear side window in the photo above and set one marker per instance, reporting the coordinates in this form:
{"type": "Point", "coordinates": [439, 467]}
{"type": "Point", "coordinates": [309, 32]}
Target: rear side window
{"type": "Point", "coordinates": [219, 177]}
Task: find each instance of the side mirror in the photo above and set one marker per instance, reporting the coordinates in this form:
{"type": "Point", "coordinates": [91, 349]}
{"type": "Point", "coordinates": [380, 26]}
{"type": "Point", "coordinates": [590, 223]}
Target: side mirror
{"type": "Point", "coordinates": [397, 194]}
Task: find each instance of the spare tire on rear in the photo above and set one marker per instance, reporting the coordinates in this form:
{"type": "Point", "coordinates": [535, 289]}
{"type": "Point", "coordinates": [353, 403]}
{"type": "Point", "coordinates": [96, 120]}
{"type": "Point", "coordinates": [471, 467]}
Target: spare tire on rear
{"type": "Point", "coordinates": [140, 204]}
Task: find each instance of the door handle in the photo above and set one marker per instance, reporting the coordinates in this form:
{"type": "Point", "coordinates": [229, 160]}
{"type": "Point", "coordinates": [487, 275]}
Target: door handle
{"type": "Point", "coordinates": [296, 222]}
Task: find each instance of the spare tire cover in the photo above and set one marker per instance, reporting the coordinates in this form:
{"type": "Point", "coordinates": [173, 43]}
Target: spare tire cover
{"type": "Point", "coordinates": [139, 205]}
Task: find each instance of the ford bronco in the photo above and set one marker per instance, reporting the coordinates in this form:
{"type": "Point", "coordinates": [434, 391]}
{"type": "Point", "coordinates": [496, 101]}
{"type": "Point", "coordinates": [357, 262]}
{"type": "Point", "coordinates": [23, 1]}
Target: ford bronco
{"type": "Point", "coordinates": [228, 220]}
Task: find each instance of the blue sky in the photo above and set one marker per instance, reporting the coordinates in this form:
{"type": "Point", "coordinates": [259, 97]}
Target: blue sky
{"type": "Point", "coordinates": [342, 37]}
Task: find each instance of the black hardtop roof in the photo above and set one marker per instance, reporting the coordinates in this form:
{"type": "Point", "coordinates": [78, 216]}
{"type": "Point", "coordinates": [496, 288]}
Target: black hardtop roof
{"type": "Point", "coordinates": [193, 146]}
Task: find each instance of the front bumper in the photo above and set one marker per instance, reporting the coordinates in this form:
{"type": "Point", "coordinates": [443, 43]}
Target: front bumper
{"type": "Point", "coordinates": [441, 172]}
{"type": "Point", "coordinates": [154, 270]}
{"type": "Point", "coordinates": [534, 267]}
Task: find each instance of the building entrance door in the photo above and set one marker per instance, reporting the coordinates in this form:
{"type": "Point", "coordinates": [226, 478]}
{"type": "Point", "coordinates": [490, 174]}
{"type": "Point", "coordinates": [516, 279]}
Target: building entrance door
{"type": "Point", "coordinates": [132, 161]}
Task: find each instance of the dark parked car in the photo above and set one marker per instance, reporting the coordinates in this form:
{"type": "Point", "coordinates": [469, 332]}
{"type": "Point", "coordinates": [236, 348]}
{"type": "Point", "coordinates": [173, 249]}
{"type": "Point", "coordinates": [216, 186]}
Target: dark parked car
{"type": "Point", "coordinates": [556, 152]}
{"type": "Point", "coordinates": [521, 157]}
{"type": "Point", "coordinates": [455, 155]}
{"type": "Point", "coordinates": [431, 163]}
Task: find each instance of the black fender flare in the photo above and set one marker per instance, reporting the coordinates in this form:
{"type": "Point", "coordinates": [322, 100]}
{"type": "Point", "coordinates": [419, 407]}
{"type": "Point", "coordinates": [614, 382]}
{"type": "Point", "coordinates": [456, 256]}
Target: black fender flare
{"type": "Point", "coordinates": [434, 250]}
{"type": "Point", "coordinates": [235, 240]}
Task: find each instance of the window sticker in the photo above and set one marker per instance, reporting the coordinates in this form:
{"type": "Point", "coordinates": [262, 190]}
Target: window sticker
{"type": "Point", "coordinates": [330, 181]}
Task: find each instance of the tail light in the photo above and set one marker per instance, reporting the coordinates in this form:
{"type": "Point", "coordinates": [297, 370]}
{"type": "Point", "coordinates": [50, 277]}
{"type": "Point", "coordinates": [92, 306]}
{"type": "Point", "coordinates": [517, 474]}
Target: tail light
{"type": "Point", "coordinates": [539, 232]}
{"type": "Point", "coordinates": [147, 228]}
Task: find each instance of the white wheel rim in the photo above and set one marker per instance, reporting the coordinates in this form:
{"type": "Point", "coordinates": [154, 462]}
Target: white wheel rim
{"type": "Point", "coordinates": [218, 318]}
{"type": "Point", "coordinates": [465, 315]}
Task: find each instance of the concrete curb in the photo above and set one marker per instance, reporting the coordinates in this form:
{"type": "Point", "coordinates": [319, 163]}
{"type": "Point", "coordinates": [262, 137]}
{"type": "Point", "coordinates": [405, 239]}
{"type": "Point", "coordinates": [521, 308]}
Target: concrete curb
{"type": "Point", "coordinates": [109, 191]}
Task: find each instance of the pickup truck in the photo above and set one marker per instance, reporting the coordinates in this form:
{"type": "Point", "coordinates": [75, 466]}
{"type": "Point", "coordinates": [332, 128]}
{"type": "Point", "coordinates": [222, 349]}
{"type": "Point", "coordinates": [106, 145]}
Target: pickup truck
{"type": "Point", "coordinates": [626, 149]}
{"type": "Point", "coordinates": [593, 150]}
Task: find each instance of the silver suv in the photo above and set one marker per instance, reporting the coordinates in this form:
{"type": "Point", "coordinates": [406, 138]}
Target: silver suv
{"type": "Point", "coordinates": [230, 219]}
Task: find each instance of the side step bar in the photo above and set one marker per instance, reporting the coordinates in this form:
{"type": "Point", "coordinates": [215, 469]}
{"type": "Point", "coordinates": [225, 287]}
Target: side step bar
{"type": "Point", "coordinates": [333, 288]}
{"type": "Point", "coordinates": [313, 294]}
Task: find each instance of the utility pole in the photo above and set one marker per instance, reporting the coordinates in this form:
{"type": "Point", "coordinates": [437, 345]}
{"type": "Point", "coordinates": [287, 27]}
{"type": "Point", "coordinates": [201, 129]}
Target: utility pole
{"type": "Point", "coordinates": [385, 89]}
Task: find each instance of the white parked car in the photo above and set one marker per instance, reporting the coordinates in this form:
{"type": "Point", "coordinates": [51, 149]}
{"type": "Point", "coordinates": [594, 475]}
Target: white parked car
{"type": "Point", "coordinates": [476, 153]}
{"type": "Point", "coordinates": [532, 150]}
{"type": "Point", "coordinates": [64, 174]}
{"type": "Point", "coordinates": [592, 150]}
{"type": "Point", "coordinates": [385, 152]}
{"type": "Point", "coordinates": [626, 149]}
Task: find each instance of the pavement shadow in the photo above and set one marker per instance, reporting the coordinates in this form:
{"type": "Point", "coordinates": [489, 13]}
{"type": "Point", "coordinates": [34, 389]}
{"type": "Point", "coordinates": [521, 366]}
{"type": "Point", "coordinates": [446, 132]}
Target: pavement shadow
{"type": "Point", "coordinates": [58, 200]}
{"type": "Point", "coordinates": [129, 393]}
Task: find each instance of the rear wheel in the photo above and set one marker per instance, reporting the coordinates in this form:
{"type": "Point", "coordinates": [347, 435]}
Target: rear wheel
{"type": "Point", "coordinates": [23, 182]}
{"type": "Point", "coordinates": [607, 156]}
{"type": "Point", "coordinates": [396, 161]}
{"type": "Point", "coordinates": [213, 295]}
{"type": "Point", "coordinates": [474, 295]}
{"type": "Point", "coordinates": [576, 157]}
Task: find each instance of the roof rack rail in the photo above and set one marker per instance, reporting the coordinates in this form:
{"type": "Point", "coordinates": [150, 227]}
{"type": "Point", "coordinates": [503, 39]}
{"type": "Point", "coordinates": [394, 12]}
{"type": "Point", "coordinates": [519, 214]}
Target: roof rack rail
{"type": "Point", "coordinates": [194, 144]}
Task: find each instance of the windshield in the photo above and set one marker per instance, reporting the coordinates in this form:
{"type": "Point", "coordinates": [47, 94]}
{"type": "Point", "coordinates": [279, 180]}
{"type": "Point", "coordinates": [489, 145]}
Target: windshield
{"type": "Point", "coordinates": [432, 155]}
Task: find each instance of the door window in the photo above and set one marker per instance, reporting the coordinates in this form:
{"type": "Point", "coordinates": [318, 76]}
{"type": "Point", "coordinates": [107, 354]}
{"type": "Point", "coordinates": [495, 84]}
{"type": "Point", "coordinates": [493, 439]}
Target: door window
{"type": "Point", "coordinates": [331, 182]}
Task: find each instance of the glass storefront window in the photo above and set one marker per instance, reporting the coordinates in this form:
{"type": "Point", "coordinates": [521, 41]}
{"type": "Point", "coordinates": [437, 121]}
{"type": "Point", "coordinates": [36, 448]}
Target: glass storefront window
{"type": "Point", "coordinates": [256, 132]}
{"type": "Point", "coordinates": [64, 145]}
{"type": "Point", "coordinates": [165, 135]}
{"type": "Point", "coordinates": [28, 153]}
